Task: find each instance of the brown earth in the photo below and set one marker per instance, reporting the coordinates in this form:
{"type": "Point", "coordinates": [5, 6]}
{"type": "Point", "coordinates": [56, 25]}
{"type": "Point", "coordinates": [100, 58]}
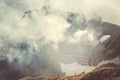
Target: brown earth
{"type": "Point", "coordinates": [104, 73]}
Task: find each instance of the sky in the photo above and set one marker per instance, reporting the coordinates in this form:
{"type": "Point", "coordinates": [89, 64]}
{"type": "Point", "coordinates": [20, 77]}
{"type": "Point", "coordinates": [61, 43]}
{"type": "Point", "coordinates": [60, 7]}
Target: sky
{"type": "Point", "coordinates": [108, 9]}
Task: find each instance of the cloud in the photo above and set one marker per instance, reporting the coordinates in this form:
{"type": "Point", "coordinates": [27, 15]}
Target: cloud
{"type": "Point", "coordinates": [32, 32]}
{"type": "Point", "coordinates": [40, 31]}
{"type": "Point", "coordinates": [12, 10]}
{"type": "Point", "coordinates": [109, 10]}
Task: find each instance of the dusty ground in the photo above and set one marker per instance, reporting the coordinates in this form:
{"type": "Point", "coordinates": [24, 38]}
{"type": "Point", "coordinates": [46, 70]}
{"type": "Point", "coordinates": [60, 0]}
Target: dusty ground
{"type": "Point", "coordinates": [104, 73]}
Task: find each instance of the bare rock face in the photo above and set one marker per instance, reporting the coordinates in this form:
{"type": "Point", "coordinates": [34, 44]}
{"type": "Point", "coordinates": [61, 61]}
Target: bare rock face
{"type": "Point", "coordinates": [109, 65]}
{"type": "Point", "coordinates": [108, 49]}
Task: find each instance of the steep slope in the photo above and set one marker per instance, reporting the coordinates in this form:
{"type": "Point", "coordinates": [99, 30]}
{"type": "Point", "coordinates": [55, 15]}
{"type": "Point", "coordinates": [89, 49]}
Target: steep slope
{"type": "Point", "coordinates": [104, 73]}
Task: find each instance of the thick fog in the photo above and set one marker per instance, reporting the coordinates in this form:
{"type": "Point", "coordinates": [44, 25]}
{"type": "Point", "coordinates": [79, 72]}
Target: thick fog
{"type": "Point", "coordinates": [46, 35]}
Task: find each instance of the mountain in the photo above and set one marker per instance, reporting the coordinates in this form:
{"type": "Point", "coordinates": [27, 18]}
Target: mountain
{"type": "Point", "coordinates": [104, 73]}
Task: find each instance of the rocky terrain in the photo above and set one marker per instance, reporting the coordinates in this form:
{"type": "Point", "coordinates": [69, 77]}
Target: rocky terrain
{"type": "Point", "coordinates": [102, 73]}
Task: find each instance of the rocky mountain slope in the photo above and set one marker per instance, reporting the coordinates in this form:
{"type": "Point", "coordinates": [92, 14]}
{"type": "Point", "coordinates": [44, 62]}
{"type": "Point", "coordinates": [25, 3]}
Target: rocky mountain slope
{"type": "Point", "coordinates": [103, 73]}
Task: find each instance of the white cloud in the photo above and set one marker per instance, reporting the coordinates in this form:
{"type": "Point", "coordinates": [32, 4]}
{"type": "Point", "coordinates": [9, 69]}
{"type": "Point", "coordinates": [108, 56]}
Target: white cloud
{"type": "Point", "coordinates": [52, 27]}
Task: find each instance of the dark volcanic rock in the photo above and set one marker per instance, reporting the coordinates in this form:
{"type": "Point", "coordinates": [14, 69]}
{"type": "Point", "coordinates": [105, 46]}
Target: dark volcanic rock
{"type": "Point", "coordinates": [8, 71]}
